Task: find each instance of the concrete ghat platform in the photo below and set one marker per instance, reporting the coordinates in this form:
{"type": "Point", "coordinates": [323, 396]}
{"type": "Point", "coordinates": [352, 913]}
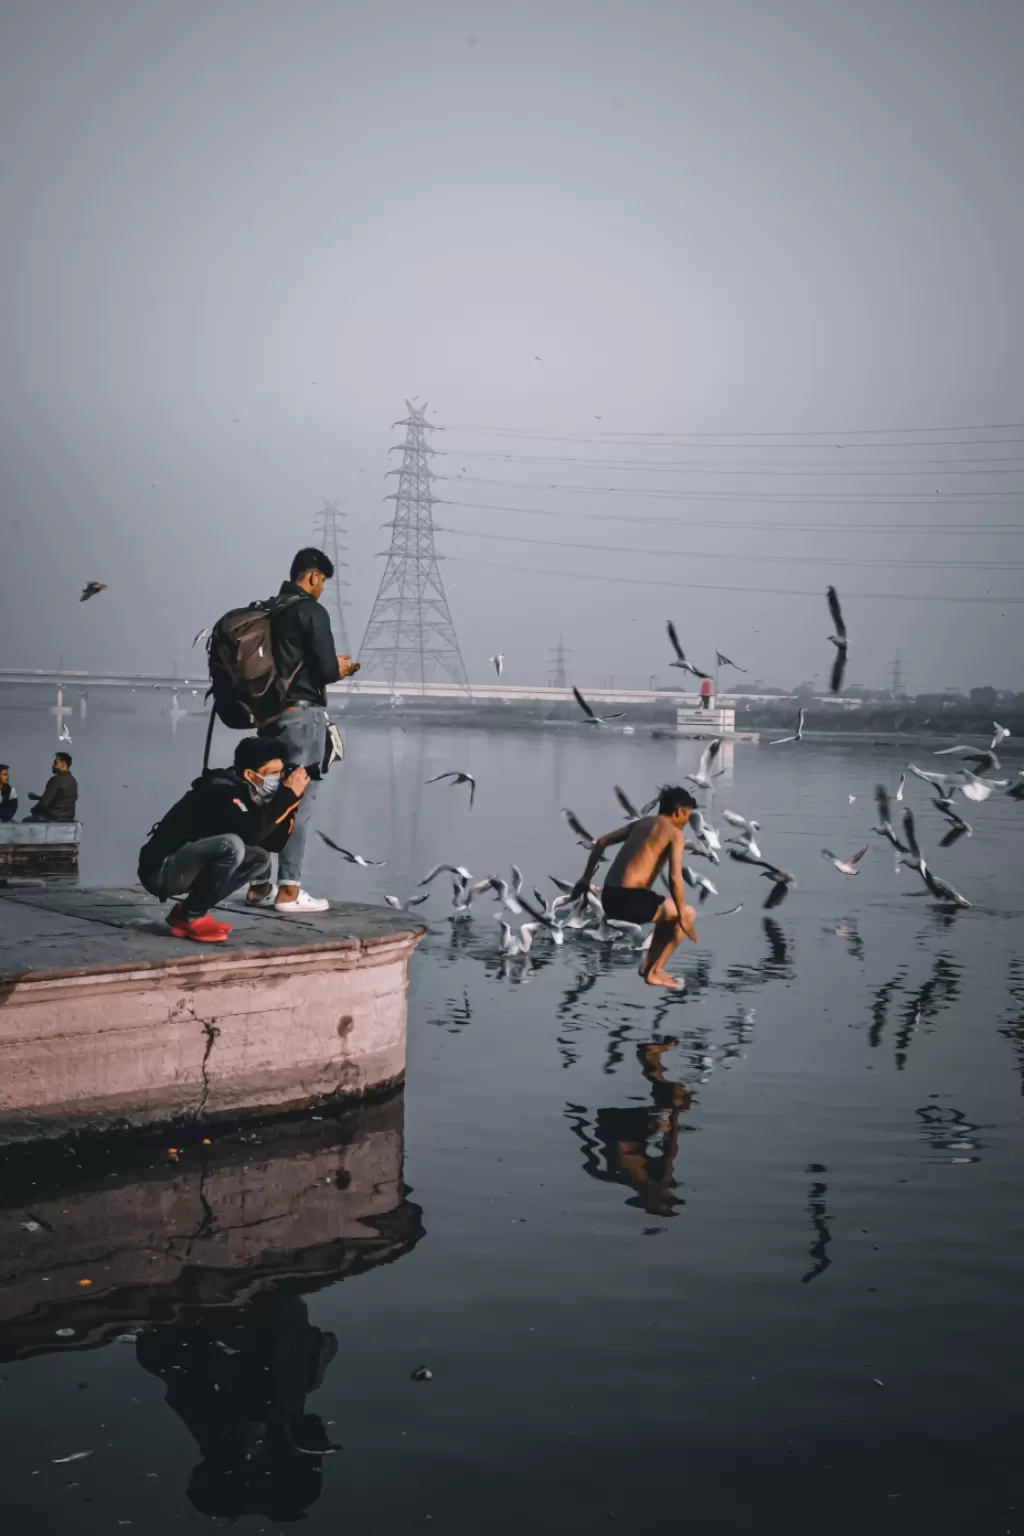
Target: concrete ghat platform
{"type": "Point", "coordinates": [106, 1022]}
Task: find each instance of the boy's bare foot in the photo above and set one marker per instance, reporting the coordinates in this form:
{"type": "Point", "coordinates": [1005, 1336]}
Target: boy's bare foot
{"type": "Point", "coordinates": [662, 979]}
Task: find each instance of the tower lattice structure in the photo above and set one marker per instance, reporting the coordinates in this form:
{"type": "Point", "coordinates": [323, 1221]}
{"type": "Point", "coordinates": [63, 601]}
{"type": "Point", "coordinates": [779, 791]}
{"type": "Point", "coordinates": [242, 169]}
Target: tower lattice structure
{"type": "Point", "coordinates": [410, 636]}
{"type": "Point", "coordinates": [558, 670]}
{"type": "Point", "coordinates": [327, 537]}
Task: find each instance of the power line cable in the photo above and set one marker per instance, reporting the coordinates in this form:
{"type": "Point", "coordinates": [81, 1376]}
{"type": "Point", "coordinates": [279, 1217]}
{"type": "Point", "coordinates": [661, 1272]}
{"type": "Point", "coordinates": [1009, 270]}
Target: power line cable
{"type": "Point", "coordinates": [675, 467]}
{"type": "Point", "coordinates": [787, 498]}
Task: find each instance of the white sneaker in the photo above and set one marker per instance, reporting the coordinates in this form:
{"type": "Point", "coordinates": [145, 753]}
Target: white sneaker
{"type": "Point", "coordinates": [303, 902]}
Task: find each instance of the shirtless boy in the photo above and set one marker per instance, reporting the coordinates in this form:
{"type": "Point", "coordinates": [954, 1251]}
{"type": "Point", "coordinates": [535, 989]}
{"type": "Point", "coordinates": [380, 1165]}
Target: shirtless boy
{"type": "Point", "coordinates": [627, 895]}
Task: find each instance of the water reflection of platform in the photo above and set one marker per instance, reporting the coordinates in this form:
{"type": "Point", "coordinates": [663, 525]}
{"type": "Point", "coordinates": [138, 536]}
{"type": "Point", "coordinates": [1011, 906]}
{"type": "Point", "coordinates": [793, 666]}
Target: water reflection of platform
{"type": "Point", "coordinates": [160, 1238]}
{"type": "Point", "coordinates": [107, 1022]}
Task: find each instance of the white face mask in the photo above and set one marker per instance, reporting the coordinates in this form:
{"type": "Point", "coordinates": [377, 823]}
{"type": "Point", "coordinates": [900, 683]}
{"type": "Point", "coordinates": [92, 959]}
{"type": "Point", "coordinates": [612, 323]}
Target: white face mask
{"type": "Point", "coordinates": [268, 788]}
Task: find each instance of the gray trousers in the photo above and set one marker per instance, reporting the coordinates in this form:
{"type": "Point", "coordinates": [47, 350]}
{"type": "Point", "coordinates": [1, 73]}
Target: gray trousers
{"type": "Point", "coordinates": [207, 871]}
{"type": "Point", "coordinates": [300, 738]}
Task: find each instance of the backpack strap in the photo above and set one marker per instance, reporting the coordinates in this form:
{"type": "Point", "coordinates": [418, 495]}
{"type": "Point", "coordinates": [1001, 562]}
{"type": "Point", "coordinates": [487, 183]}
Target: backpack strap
{"type": "Point", "coordinates": [209, 737]}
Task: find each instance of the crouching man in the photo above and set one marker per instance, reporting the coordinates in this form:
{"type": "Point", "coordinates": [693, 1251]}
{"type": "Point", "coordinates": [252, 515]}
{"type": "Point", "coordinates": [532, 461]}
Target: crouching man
{"type": "Point", "coordinates": [219, 837]}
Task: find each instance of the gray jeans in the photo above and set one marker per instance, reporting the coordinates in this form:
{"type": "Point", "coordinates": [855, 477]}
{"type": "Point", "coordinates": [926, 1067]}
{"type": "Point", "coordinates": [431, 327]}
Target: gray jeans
{"type": "Point", "coordinates": [207, 871]}
{"type": "Point", "coordinates": [300, 737]}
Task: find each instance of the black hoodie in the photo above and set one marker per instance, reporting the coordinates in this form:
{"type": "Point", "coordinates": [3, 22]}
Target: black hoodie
{"type": "Point", "coordinates": [220, 802]}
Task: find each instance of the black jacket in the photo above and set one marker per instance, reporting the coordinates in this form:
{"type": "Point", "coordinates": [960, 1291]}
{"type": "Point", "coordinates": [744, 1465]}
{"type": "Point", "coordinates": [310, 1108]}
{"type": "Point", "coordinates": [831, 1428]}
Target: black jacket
{"type": "Point", "coordinates": [303, 639]}
{"type": "Point", "coordinates": [59, 799]}
{"type": "Point", "coordinates": [219, 802]}
{"type": "Point", "coordinates": [8, 802]}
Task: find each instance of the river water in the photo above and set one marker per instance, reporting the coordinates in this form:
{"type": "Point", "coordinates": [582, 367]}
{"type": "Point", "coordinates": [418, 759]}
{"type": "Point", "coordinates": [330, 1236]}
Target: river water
{"type": "Point", "coordinates": [744, 1258]}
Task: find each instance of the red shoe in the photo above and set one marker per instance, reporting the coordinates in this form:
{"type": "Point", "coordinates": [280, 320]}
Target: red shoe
{"type": "Point", "coordinates": [204, 930]}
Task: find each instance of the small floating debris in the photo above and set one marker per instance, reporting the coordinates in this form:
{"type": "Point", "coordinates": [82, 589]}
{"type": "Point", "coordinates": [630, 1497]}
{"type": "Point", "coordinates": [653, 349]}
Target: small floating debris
{"type": "Point", "coordinates": [125, 1338]}
{"type": "Point", "coordinates": [83, 1282]}
{"type": "Point", "coordinates": [421, 1373]}
{"type": "Point", "coordinates": [32, 1226]}
{"type": "Point", "coordinates": [65, 1333]}
{"type": "Point", "coordinates": [60, 1461]}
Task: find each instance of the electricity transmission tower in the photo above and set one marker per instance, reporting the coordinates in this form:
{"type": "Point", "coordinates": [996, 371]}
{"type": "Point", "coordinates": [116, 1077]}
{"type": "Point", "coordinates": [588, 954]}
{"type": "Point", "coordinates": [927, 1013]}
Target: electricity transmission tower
{"type": "Point", "coordinates": [558, 671]}
{"type": "Point", "coordinates": [410, 637]}
{"type": "Point", "coordinates": [896, 682]}
{"type": "Point", "coordinates": [325, 536]}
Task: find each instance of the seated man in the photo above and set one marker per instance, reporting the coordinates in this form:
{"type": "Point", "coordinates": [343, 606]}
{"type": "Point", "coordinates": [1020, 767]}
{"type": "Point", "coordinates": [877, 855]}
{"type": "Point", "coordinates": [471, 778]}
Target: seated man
{"type": "Point", "coordinates": [627, 897]}
{"type": "Point", "coordinates": [8, 795]}
{"type": "Point", "coordinates": [60, 797]}
{"type": "Point", "coordinates": [219, 836]}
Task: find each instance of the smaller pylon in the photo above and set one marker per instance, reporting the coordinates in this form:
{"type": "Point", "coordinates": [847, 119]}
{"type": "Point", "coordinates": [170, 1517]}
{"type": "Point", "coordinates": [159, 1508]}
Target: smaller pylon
{"type": "Point", "coordinates": [896, 680]}
{"type": "Point", "coordinates": [325, 535]}
{"type": "Point", "coordinates": [558, 672]}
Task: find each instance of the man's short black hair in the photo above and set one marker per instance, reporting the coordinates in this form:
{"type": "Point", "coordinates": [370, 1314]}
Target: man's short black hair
{"type": "Point", "coordinates": [311, 560]}
{"type": "Point", "coordinates": [62, 757]}
{"type": "Point", "coordinates": [252, 752]}
{"type": "Point", "coordinates": [672, 797]}
{"type": "Point", "coordinates": [5, 765]}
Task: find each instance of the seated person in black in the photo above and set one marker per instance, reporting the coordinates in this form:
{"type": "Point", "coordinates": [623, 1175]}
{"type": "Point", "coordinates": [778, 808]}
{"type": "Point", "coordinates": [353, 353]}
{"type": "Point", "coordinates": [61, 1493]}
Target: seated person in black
{"type": "Point", "coordinates": [219, 837]}
{"type": "Point", "coordinates": [8, 795]}
{"type": "Point", "coordinates": [59, 799]}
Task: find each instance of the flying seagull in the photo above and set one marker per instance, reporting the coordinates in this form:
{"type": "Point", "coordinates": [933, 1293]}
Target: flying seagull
{"type": "Point", "coordinates": [502, 893]}
{"type": "Point", "coordinates": [632, 814]}
{"type": "Point", "coordinates": [410, 901]}
{"type": "Point", "coordinates": [839, 640]}
{"type": "Point", "coordinates": [899, 787]}
{"type": "Point", "coordinates": [780, 741]}
{"type": "Point", "coordinates": [845, 866]}
{"type": "Point", "coordinates": [498, 662]}
{"type": "Point", "coordinates": [748, 832]}
{"type": "Point", "coordinates": [958, 826]}
{"type": "Point", "coordinates": [885, 827]}
{"type": "Point", "coordinates": [457, 777]}
{"type": "Point", "coordinates": [702, 778]}
{"type": "Point", "coordinates": [1000, 734]}
{"type": "Point", "coordinates": [90, 590]}
{"type": "Point", "coordinates": [780, 879]}
{"type": "Point", "coordinates": [204, 634]}
{"type": "Point", "coordinates": [591, 718]}
{"type": "Point", "coordinates": [352, 858]}
{"type": "Point", "coordinates": [583, 837]}
{"type": "Point", "coordinates": [706, 834]}
{"type": "Point", "coordinates": [65, 734]}
{"type": "Point", "coordinates": [943, 782]}
{"type": "Point", "coordinates": [699, 883]}
{"type": "Point", "coordinates": [460, 872]}
{"type": "Point", "coordinates": [510, 944]}
{"type": "Point", "coordinates": [942, 889]}
{"type": "Point", "coordinates": [983, 761]}
{"type": "Point", "coordinates": [979, 789]}
{"type": "Point", "coordinates": [681, 660]}
{"type": "Point", "coordinates": [723, 661]}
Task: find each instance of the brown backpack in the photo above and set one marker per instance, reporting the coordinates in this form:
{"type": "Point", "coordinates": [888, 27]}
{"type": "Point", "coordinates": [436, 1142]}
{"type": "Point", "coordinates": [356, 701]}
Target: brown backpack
{"type": "Point", "coordinates": [247, 688]}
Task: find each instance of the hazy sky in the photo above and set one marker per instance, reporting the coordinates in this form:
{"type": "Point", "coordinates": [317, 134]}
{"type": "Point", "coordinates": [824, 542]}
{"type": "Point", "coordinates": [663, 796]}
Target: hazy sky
{"type": "Point", "coordinates": [238, 233]}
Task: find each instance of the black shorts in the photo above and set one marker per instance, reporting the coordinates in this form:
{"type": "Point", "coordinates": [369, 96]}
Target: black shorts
{"type": "Point", "coordinates": [627, 904]}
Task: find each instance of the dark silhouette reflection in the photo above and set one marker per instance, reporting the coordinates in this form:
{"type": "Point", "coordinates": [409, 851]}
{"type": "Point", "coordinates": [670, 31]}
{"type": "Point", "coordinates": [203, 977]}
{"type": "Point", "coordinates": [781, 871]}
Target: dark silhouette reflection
{"type": "Point", "coordinates": [1013, 1029]}
{"type": "Point", "coordinates": [848, 931]}
{"type": "Point", "coordinates": [638, 1146]}
{"type": "Point", "coordinates": [203, 1262]}
{"type": "Point", "coordinates": [818, 1212]}
{"type": "Point", "coordinates": [238, 1380]}
{"type": "Point", "coordinates": [940, 990]}
{"type": "Point", "coordinates": [880, 1007]}
{"type": "Point", "coordinates": [950, 1131]}
{"type": "Point", "coordinates": [776, 965]}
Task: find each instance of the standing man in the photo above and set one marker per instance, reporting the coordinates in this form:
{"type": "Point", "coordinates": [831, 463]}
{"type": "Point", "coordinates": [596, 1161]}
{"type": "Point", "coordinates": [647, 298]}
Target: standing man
{"type": "Point", "coordinates": [59, 800]}
{"type": "Point", "coordinates": [8, 795]}
{"type": "Point", "coordinates": [303, 645]}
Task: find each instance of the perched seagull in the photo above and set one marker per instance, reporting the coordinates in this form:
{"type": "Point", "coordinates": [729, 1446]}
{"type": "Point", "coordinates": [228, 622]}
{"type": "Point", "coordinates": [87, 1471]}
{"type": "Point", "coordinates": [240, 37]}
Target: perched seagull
{"type": "Point", "coordinates": [845, 866]}
{"type": "Point", "coordinates": [885, 827]}
{"type": "Point", "coordinates": [547, 917]}
{"type": "Point", "coordinates": [410, 901]}
{"type": "Point", "coordinates": [702, 778]}
{"type": "Point", "coordinates": [589, 717]}
{"type": "Point", "coordinates": [352, 858]}
{"type": "Point", "coordinates": [748, 832]}
{"type": "Point", "coordinates": [498, 662]}
{"type": "Point", "coordinates": [839, 640]}
{"type": "Point", "coordinates": [204, 634]}
{"type": "Point", "coordinates": [65, 734]}
{"type": "Point", "coordinates": [681, 660]}
{"type": "Point", "coordinates": [510, 944]}
{"type": "Point", "coordinates": [781, 740]}
{"type": "Point", "coordinates": [723, 661]}
{"type": "Point", "coordinates": [457, 777]}
{"type": "Point", "coordinates": [90, 590]}
{"type": "Point", "coordinates": [899, 787]}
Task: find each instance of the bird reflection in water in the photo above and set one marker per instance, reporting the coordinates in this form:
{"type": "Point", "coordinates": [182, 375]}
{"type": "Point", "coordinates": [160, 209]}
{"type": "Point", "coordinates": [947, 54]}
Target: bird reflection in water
{"type": "Point", "coordinates": [239, 1379]}
{"type": "Point", "coordinates": [949, 1130]}
{"type": "Point", "coordinates": [638, 1147]}
{"type": "Point", "coordinates": [818, 1212]}
{"type": "Point", "coordinates": [1013, 1029]}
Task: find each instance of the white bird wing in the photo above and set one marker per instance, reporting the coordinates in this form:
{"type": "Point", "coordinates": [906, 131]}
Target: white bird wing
{"type": "Point", "coordinates": [735, 819]}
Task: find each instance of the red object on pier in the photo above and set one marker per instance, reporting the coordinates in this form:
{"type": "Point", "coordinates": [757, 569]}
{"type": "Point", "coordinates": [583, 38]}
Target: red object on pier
{"type": "Point", "coordinates": [707, 693]}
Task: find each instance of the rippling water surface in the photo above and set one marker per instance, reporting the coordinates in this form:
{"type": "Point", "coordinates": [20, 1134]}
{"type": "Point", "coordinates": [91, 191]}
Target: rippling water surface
{"type": "Point", "coordinates": [744, 1258]}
